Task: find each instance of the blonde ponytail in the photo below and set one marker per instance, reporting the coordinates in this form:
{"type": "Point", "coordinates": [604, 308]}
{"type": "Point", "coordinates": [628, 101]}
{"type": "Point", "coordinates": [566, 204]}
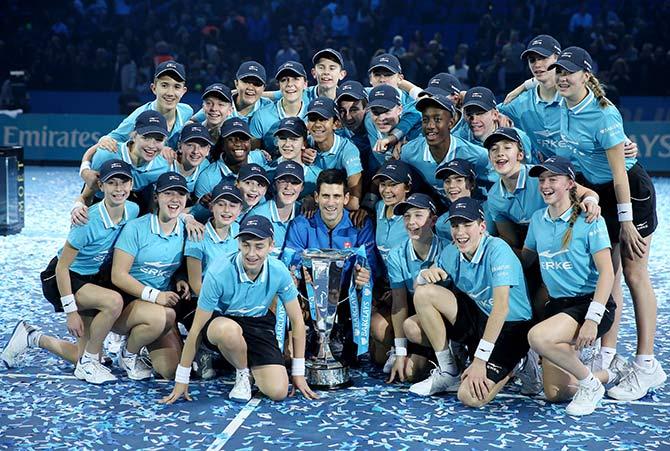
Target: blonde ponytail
{"type": "Point", "coordinates": [594, 85]}
{"type": "Point", "coordinates": [576, 210]}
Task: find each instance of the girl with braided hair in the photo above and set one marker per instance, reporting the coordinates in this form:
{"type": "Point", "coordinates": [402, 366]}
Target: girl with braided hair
{"type": "Point", "coordinates": [576, 267]}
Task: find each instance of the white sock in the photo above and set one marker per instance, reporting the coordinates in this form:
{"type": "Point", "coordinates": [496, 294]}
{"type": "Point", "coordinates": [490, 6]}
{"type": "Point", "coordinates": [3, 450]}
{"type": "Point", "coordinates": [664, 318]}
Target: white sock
{"type": "Point", "coordinates": [645, 361]}
{"type": "Point", "coordinates": [242, 372]}
{"type": "Point", "coordinates": [88, 357]}
{"type": "Point", "coordinates": [446, 362]}
{"type": "Point", "coordinates": [34, 338]}
{"type": "Point", "coordinates": [610, 375]}
{"type": "Point", "coordinates": [590, 381]}
{"type": "Point", "coordinates": [607, 355]}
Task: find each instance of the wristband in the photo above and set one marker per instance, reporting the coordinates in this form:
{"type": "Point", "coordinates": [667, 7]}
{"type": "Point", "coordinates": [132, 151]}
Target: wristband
{"type": "Point", "coordinates": [298, 367]}
{"type": "Point", "coordinates": [415, 91]}
{"type": "Point", "coordinates": [420, 279]}
{"type": "Point", "coordinates": [400, 345]}
{"type": "Point", "coordinates": [595, 312]}
{"type": "Point", "coordinates": [186, 217]}
{"type": "Point", "coordinates": [484, 350]}
{"type": "Point", "coordinates": [530, 84]}
{"type": "Point", "coordinates": [590, 199]}
{"type": "Point", "coordinates": [183, 375]}
{"type": "Point", "coordinates": [78, 204]}
{"type": "Point", "coordinates": [397, 133]}
{"type": "Point", "coordinates": [84, 165]}
{"type": "Point", "coordinates": [150, 294]}
{"type": "Point", "coordinates": [69, 304]}
{"type": "Point", "coordinates": [625, 212]}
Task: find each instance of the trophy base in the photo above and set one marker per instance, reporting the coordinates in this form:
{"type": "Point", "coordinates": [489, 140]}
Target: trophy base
{"type": "Point", "coordinates": [327, 376]}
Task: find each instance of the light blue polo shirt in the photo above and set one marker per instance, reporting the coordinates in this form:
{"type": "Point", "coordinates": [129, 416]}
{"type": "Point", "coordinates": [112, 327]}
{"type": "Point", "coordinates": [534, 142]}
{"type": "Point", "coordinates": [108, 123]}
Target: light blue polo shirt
{"type": "Point", "coordinates": [516, 207]}
{"type": "Point", "coordinates": [493, 265]}
{"type": "Point", "coordinates": [200, 116]}
{"type": "Point", "coordinates": [266, 122]}
{"type": "Point", "coordinates": [375, 135]}
{"type": "Point", "coordinates": [95, 239]}
{"type": "Point", "coordinates": [193, 178]}
{"type": "Point", "coordinates": [143, 175]}
{"type": "Point", "coordinates": [417, 153]}
{"type": "Point", "coordinates": [389, 232]}
{"type": "Point", "coordinates": [466, 134]}
{"type": "Point", "coordinates": [410, 118]}
{"type": "Point", "coordinates": [122, 132]}
{"type": "Point", "coordinates": [228, 289]}
{"type": "Point", "coordinates": [311, 173]}
{"type": "Point", "coordinates": [443, 225]}
{"type": "Point", "coordinates": [404, 265]}
{"type": "Point", "coordinates": [568, 272]}
{"type": "Point", "coordinates": [212, 246]}
{"type": "Point", "coordinates": [342, 155]}
{"type": "Point", "coordinates": [157, 255]}
{"type": "Point", "coordinates": [461, 129]}
{"type": "Point", "coordinates": [539, 118]}
{"type": "Point", "coordinates": [269, 210]}
{"type": "Point", "coordinates": [587, 131]}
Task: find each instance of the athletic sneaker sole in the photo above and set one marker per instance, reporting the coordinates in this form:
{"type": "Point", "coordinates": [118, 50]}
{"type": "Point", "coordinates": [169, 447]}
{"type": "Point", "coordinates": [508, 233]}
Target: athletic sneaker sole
{"type": "Point", "coordinates": [649, 390]}
{"type": "Point", "coordinates": [12, 339]}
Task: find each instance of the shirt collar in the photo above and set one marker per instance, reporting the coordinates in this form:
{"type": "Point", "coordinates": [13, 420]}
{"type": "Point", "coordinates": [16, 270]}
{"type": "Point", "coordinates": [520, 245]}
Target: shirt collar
{"type": "Point", "coordinates": [194, 176]}
{"type": "Point", "coordinates": [107, 219]}
{"type": "Point", "coordinates": [225, 170]}
{"type": "Point", "coordinates": [520, 182]}
{"type": "Point", "coordinates": [156, 228]}
{"type": "Point", "coordinates": [244, 278]}
{"type": "Point", "coordinates": [581, 105]}
{"type": "Point", "coordinates": [536, 95]}
{"type": "Point", "coordinates": [333, 149]}
{"type": "Point", "coordinates": [274, 212]}
{"type": "Point", "coordinates": [565, 217]}
{"type": "Point", "coordinates": [344, 223]}
{"type": "Point", "coordinates": [479, 253]}
{"type": "Point", "coordinates": [428, 157]}
{"type": "Point", "coordinates": [432, 252]}
{"type": "Point", "coordinates": [282, 113]}
{"type": "Point", "coordinates": [211, 231]}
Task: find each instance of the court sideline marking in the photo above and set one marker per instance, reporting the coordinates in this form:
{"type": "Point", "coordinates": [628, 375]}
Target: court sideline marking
{"type": "Point", "coordinates": [235, 424]}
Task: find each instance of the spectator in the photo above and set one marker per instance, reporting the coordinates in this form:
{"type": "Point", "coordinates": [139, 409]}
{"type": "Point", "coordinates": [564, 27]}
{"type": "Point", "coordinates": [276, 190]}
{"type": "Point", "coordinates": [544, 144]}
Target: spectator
{"type": "Point", "coordinates": [397, 49]}
{"type": "Point", "coordinates": [580, 19]}
{"type": "Point", "coordinates": [286, 52]}
{"type": "Point", "coordinates": [511, 56]}
{"type": "Point", "coordinates": [620, 76]}
{"type": "Point", "coordinates": [339, 24]}
{"type": "Point", "coordinates": [460, 70]}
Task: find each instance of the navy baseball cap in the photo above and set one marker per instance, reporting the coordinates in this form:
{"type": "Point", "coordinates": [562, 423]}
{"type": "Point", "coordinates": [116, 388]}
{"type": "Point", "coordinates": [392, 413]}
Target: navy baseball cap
{"type": "Point", "coordinates": [437, 99]}
{"type": "Point", "coordinates": [251, 69]}
{"type": "Point", "coordinates": [557, 165]}
{"type": "Point", "coordinates": [218, 90]}
{"type": "Point", "coordinates": [500, 134]}
{"type": "Point", "coordinates": [445, 82]}
{"type": "Point", "coordinates": [574, 59]}
{"type": "Point", "coordinates": [151, 121]}
{"type": "Point", "coordinates": [290, 168]}
{"type": "Point", "coordinates": [544, 45]}
{"type": "Point", "coordinates": [481, 97]}
{"type": "Point", "coordinates": [253, 171]}
{"type": "Point", "coordinates": [386, 61]}
{"type": "Point", "coordinates": [466, 208]}
{"type": "Point", "coordinates": [416, 200]}
{"type": "Point", "coordinates": [330, 54]}
{"type": "Point", "coordinates": [292, 68]}
{"type": "Point", "coordinates": [323, 106]}
{"type": "Point", "coordinates": [171, 180]}
{"type": "Point", "coordinates": [227, 191]}
{"type": "Point", "coordinates": [171, 67]}
{"type": "Point", "coordinates": [258, 226]}
{"type": "Point", "coordinates": [294, 125]}
{"type": "Point", "coordinates": [394, 170]}
{"type": "Point", "coordinates": [457, 166]}
{"type": "Point", "coordinates": [115, 168]}
{"type": "Point", "coordinates": [383, 96]}
{"type": "Point", "coordinates": [235, 125]}
{"type": "Point", "coordinates": [195, 131]}
{"type": "Point", "coordinates": [352, 89]}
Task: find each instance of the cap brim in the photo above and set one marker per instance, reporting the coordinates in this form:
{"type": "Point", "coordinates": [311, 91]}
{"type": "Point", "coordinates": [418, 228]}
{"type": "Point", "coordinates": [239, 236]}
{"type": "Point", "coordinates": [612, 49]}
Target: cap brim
{"type": "Point", "coordinates": [180, 77]}
{"type": "Point", "coordinates": [495, 137]}
{"type": "Point", "coordinates": [218, 94]}
{"type": "Point", "coordinates": [291, 71]}
{"type": "Point", "coordinates": [462, 216]}
{"type": "Point", "coordinates": [443, 173]}
{"type": "Point", "coordinates": [352, 95]}
{"type": "Point", "coordinates": [208, 140]}
{"type": "Point", "coordinates": [538, 169]}
{"type": "Point", "coordinates": [288, 130]}
{"type": "Point", "coordinates": [116, 174]}
{"type": "Point", "coordinates": [389, 177]}
{"type": "Point", "coordinates": [479, 104]}
{"type": "Point", "coordinates": [539, 50]}
{"type": "Point", "coordinates": [288, 174]}
{"type": "Point", "coordinates": [250, 75]}
{"type": "Point", "coordinates": [173, 186]}
{"type": "Point", "coordinates": [395, 70]}
{"type": "Point", "coordinates": [380, 103]}
{"type": "Point", "coordinates": [148, 130]}
{"type": "Point", "coordinates": [254, 232]}
{"type": "Point", "coordinates": [424, 102]}
{"type": "Point", "coordinates": [567, 65]}
{"type": "Point", "coordinates": [321, 113]}
{"type": "Point", "coordinates": [229, 196]}
{"type": "Point", "coordinates": [402, 207]}
{"type": "Point", "coordinates": [256, 176]}
{"type": "Point", "coordinates": [322, 53]}
{"type": "Point", "coordinates": [232, 132]}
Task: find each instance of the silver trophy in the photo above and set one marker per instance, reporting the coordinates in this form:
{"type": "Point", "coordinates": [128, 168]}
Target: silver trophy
{"type": "Point", "coordinates": [327, 272]}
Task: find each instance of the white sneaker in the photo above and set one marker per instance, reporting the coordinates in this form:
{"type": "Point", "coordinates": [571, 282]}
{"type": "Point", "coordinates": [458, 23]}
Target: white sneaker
{"type": "Point", "coordinates": [17, 344]}
{"type": "Point", "coordinates": [114, 342]}
{"type": "Point", "coordinates": [590, 356]}
{"type": "Point", "coordinates": [637, 382]}
{"type": "Point", "coordinates": [530, 374]}
{"type": "Point", "coordinates": [388, 366]}
{"type": "Point", "coordinates": [135, 367]}
{"type": "Point", "coordinates": [93, 372]}
{"type": "Point", "coordinates": [620, 367]}
{"type": "Point", "coordinates": [437, 382]}
{"type": "Point", "coordinates": [585, 400]}
{"type": "Point", "coordinates": [241, 391]}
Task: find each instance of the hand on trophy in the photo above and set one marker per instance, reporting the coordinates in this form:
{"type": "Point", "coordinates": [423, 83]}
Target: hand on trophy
{"type": "Point", "coordinates": [361, 276]}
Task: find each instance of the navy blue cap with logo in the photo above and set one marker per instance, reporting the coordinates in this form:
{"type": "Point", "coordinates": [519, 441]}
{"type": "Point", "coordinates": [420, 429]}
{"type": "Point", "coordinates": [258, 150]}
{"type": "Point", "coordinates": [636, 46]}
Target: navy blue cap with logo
{"type": "Point", "coordinates": [115, 168]}
{"type": "Point", "coordinates": [289, 168]}
{"type": "Point", "coordinates": [543, 45]}
{"type": "Point", "coordinates": [574, 59]}
{"type": "Point", "coordinates": [330, 54]}
{"type": "Point", "coordinates": [233, 126]}
{"type": "Point", "coordinates": [218, 90]}
{"type": "Point", "coordinates": [251, 69]}
{"type": "Point", "coordinates": [416, 200]}
{"type": "Point", "coordinates": [457, 166]}
{"type": "Point", "coordinates": [171, 180]}
{"type": "Point", "coordinates": [291, 68]}
{"type": "Point", "coordinates": [437, 99]}
{"type": "Point", "coordinates": [557, 165]}
{"type": "Point", "coordinates": [466, 208]}
{"type": "Point", "coordinates": [150, 121]}
{"type": "Point", "coordinates": [500, 134]}
{"type": "Point", "coordinates": [323, 106]}
{"type": "Point", "coordinates": [227, 191]}
{"type": "Point", "coordinates": [394, 170]}
{"type": "Point", "coordinates": [443, 82]}
{"type": "Point", "coordinates": [383, 96]}
{"type": "Point", "coordinates": [480, 97]}
{"type": "Point", "coordinates": [195, 132]}
{"type": "Point", "coordinates": [171, 67]}
{"type": "Point", "coordinates": [252, 171]}
{"type": "Point", "coordinates": [258, 226]}
{"type": "Point", "coordinates": [293, 125]}
{"type": "Point", "coordinates": [350, 89]}
{"type": "Point", "coordinates": [386, 61]}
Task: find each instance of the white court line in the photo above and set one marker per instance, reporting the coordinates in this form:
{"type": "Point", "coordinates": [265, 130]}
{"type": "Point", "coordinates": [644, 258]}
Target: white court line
{"type": "Point", "coordinates": [605, 400]}
{"type": "Point", "coordinates": [234, 425]}
{"type": "Point", "coordinates": [70, 377]}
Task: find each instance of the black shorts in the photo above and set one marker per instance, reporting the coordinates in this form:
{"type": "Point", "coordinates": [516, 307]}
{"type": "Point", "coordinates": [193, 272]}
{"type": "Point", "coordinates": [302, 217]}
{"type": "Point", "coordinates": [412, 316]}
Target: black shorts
{"type": "Point", "coordinates": [259, 333]}
{"type": "Point", "coordinates": [50, 286]}
{"type": "Point", "coordinates": [642, 196]}
{"type": "Point", "coordinates": [577, 307]}
{"type": "Point", "coordinates": [185, 310]}
{"type": "Point", "coordinates": [510, 347]}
